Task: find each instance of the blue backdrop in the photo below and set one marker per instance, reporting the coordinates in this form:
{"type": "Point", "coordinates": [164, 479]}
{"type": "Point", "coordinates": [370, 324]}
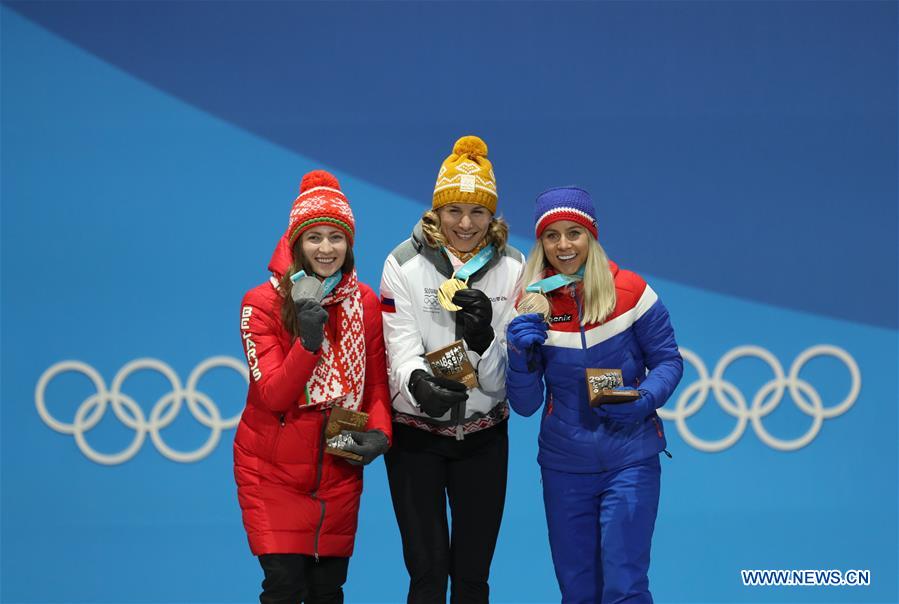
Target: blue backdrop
{"type": "Point", "coordinates": [743, 156]}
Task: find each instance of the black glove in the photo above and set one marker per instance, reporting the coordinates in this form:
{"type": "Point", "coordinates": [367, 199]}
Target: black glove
{"type": "Point", "coordinates": [436, 395]}
{"type": "Point", "coordinates": [311, 318]}
{"type": "Point", "coordinates": [368, 444]}
{"type": "Point", "coordinates": [476, 313]}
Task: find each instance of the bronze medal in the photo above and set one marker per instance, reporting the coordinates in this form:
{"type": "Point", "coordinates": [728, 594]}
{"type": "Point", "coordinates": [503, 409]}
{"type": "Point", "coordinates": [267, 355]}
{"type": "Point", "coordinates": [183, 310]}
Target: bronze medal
{"type": "Point", "coordinates": [446, 292]}
{"type": "Point", "coordinates": [534, 302]}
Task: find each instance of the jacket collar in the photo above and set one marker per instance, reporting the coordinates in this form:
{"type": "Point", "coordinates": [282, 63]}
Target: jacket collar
{"type": "Point", "coordinates": [549, 271]}
{"type": "Point", "coordinates": [438, 258]}
{"type": "Point", "coordinates": [281, 258]}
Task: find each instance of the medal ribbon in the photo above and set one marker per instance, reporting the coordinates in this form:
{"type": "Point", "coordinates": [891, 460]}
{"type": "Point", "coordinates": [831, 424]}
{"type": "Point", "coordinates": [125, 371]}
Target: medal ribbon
{"type": "Point", "coordinates": [544, 286]}
{"type": "Point", "coordinates": [328, 283]}
{"type": "Point", "coordinates": [475, 264]}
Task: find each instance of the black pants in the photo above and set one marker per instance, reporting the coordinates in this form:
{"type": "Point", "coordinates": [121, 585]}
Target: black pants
{"type": "Point", "coordinates": [295, 578]}
{"type": "Point", "coordinates": [423, 470]}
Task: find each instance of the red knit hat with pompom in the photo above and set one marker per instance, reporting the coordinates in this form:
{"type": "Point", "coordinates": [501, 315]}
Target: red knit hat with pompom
{"type": "Point", "coordinates": [320, 202]}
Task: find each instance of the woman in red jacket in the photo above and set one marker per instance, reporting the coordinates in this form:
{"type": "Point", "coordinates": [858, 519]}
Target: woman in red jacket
{"type": "Point", "coordinates": [300, 506]}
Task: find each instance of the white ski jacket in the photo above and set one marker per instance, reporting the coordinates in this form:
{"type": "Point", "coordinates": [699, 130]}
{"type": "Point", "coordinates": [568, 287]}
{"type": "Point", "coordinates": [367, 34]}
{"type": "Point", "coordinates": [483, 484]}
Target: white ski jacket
{"type": "Point", "coordinates": [415, 323]}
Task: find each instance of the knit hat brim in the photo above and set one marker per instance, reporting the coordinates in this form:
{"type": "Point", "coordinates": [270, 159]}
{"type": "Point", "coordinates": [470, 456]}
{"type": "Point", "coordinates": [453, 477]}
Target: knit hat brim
{"type": "Point", "coordinates": [565, 203]}
{"type": "Point", "coordinates": [466, 176]}
{"type": "Point", "coordinates": [566, 213]}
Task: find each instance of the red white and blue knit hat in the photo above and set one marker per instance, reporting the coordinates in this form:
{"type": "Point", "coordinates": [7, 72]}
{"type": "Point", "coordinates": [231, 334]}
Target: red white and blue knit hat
{"type": "Point", "coordinates": [565, 203]}
{"type": "Point", "coordinates": [320, 202]}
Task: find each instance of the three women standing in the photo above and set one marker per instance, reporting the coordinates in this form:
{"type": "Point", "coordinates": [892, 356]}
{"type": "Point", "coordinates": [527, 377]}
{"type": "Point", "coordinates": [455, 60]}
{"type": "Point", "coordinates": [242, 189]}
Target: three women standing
{"type": "Point", "coordinates": [450, 443]}
{"type": "Point", "coordinates": [454, 279]}
{"type": "Point", "coordinates": [600, 465]}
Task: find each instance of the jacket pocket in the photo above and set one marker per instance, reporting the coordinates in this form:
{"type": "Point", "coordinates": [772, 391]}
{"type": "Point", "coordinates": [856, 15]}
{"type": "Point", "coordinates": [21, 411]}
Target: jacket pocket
{"type": "Point", "coordinates": [297, 439]}
{"type": "Point", "coordinates": [276, 436]}
{"type": "Point", "coordinates": [632, 371]}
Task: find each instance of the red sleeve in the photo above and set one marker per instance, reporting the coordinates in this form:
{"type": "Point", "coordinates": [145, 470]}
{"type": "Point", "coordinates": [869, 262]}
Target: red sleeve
{"type": "Point", "coordinates": [278, 379]}
{"type": "Point", "coordinates": [376, 396]}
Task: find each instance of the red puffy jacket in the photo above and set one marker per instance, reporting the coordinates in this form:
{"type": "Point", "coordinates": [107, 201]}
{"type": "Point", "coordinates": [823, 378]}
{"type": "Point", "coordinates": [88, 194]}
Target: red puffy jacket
{"type": "Point", "coordinates": [294, 498]}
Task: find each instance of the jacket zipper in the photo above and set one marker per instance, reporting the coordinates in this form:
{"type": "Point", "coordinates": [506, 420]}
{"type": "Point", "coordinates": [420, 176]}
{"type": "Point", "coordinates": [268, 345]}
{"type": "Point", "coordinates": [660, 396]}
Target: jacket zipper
{"type": "Point", "coordinates": [281, 423]}
{"type": "Point", "coordinates": [459, 411]}
{"type": "Point", "coordinates": [580, 311]}
{"type": "Point", "coordinates": [318, 482]}
{"type": "Point", "coordinates": [580, 323]}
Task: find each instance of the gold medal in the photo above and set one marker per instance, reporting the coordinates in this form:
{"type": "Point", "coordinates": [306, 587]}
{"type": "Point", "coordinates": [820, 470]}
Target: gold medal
{"type": "Point", "coordinates": [534, 302]}
{"type": "Point", "coordinates": [446, 292]}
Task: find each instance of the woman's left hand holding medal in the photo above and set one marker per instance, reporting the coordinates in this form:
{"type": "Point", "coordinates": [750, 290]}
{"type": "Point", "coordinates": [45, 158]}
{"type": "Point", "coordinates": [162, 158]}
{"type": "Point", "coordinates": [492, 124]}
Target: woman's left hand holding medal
{"type": "Point", "coordinates": [477, 313]}
{"type": "Point", "coordinates": [369, 444]}
{"type": "Point", "coordinates": [525, 333]}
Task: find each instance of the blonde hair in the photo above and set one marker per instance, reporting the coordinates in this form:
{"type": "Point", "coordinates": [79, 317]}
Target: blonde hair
{"type": "Point", "coordinates": [599, 284]}
{"type": "Point", "coordinates": [497, 231]}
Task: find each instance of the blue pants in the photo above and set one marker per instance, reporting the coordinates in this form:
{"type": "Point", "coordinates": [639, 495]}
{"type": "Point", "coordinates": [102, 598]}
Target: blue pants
{"type": "Point", "coordinates": [600, 531]}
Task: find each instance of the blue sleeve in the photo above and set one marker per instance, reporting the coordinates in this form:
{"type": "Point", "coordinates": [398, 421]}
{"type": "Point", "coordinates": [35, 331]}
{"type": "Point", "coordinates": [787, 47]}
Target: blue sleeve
{"type": "Point", "coordinates": [524, 383]}
{"type": "Point", "coordinates": [660, 353]}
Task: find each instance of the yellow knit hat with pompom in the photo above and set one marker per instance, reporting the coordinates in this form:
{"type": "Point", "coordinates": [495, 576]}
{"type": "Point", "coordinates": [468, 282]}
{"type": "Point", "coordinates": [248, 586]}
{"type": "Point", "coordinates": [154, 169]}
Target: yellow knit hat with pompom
{"type": "Point", "coordinates": [466, 176]}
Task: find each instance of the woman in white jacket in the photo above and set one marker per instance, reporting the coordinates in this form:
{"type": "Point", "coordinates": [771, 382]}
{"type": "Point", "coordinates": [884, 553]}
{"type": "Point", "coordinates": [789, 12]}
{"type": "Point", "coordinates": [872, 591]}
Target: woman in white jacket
{"type": "Point", "coordinates": [450, 442]}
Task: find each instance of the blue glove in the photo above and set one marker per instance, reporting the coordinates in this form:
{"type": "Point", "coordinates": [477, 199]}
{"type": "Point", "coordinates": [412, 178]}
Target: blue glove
{"type": "Point", "coordinates": [524, 334]}
{"type": "Point", "coordinates": [634, 411]}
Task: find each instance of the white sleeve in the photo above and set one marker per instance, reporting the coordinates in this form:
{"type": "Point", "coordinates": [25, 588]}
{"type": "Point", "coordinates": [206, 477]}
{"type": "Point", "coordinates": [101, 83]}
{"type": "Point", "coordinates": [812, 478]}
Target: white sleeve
{"type": "Point", "coordinates": [401, 332]}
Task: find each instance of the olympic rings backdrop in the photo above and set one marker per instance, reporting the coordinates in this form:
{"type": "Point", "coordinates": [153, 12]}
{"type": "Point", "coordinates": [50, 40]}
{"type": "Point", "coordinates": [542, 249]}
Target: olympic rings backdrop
{"type": "Point", "coordinates": [743, 158]}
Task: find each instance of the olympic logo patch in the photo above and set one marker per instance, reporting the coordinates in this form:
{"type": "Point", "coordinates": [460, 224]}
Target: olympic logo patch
{"type": "Point", "coordinates": [732, 400]}
{"type": "Point", "coordinates": [129, 413]}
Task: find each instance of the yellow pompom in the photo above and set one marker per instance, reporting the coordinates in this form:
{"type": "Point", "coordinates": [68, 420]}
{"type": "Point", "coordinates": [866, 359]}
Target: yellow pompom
{"type": "Point", "coordinates": [470, 145]}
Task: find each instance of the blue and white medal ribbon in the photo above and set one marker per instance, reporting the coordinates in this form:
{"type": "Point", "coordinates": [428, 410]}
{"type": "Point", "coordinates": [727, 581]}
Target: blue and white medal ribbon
{"type": "Point", "coordinates": [475, 264]}
{"type": "Point", "coordinates": [328, 283]}
{"type": "Point", "coordinates": [544, 286]}
{"type": "Point", "coordinates": [535, 301]}
{"type": "Point", "coordinates": [460, 278]}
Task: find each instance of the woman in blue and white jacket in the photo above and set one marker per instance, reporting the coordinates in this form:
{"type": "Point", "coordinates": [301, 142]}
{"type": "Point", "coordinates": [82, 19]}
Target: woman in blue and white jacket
{"type": "Point", "coordinates": [600, 466]}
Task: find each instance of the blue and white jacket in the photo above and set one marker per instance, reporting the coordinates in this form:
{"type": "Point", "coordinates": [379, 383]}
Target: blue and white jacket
{"type": "Point", "coordinates": [638, 338]}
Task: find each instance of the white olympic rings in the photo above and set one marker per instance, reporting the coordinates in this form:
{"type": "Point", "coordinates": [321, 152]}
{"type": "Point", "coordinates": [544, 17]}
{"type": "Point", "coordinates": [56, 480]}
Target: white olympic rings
{"type": "Point", "coordinates": [129, 413]}
{"type": "Point", "coordinates": [768, 397]}
{"type": "Point", "coordinates": [689, 402]}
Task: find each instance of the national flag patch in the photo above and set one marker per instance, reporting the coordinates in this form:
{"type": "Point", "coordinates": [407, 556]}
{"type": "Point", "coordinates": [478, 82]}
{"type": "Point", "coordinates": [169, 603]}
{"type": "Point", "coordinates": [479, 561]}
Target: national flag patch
{"type": "Point", "coordinates": [387, 304]}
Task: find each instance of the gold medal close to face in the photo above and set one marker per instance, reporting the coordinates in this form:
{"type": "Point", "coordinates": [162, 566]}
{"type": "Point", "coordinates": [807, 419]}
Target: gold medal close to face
{"type": "Point", "coordinates": [446, 292]}
{"type": "Point", "coordinates": [533, 302]}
